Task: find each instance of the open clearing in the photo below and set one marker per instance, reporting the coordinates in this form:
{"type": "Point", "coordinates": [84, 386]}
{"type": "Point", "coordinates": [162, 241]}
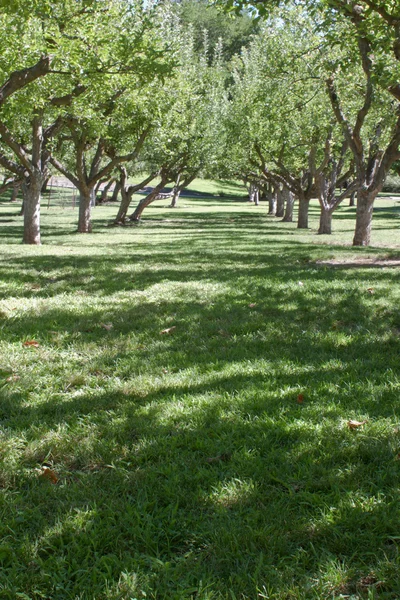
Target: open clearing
{"type": "Point", "coordinates": [175, 407]}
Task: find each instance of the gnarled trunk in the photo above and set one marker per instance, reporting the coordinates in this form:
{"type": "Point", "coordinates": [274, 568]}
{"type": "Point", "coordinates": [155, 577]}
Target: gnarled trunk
{"type": "Point", "coordinates": [365, 206]}
{"type": "Point", "coordinates": [86, 201]}
{"type": "Point", "coordinates": [32, 194]}
{"type": "Point", "coordinates": [302, 218]}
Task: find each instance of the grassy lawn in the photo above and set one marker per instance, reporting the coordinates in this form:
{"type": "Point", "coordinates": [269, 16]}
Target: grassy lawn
{"type": "Point", "coordinates": [215, 460]}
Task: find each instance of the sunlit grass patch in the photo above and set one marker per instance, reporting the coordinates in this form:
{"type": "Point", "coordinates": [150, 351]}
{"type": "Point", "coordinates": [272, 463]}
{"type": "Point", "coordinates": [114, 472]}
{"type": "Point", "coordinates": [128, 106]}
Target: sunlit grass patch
{"type": "Point", "coordinates": [189, 383]}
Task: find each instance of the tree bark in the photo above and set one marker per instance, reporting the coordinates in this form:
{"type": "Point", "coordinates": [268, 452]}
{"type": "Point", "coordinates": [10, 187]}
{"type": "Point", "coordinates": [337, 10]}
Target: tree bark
{"type": "Point", "coordinates": [272, 201]}
{"type": "Point", "coordinates": [45, 185]}
{"type": "Point", "coordinates": [116, 191]}
{"type": "Point", "coordinates": [280, 203]}
{"type": "Point", "coordinates": [365, 206]}
{"type": "Point", "coordinates": [86, 201]}
{"type": "Point", "coordinates": [289, 198]}
{"type": "Point", "coordinates": [352, 199]}
{"type": "Point", "coordinates": [175, 197]}
{"type": "Point", "coordinates": [144, 202]}
{"type": "Point", "coordinates": [325, 221]}
{"type": "Point", "coordinates": [32, 193]}
{"type": "Point", "coordinates": [302, 218]}
{"type": "Point", "coordinates": [15, 191]}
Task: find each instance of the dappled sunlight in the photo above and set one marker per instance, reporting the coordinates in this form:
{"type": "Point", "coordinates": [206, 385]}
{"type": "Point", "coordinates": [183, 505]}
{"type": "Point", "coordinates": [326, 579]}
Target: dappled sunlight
{"type": "Point", "coordinates": [191, 390]}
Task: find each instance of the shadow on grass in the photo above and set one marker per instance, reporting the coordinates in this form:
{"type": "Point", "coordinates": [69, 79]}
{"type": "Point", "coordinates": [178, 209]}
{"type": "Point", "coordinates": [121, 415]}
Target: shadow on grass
{"type": "Point", "coordinates": [188, 465]}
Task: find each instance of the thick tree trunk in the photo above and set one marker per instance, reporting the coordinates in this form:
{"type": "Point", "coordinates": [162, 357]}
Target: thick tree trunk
{"type": "Point", "coordinates": [86, 201]}
{"type": "Point", "coordinates": [302, 218]}
{"type": "Point", "coordinates": [31, 191]}
{"type": "Point", "coordinates": [289, 198]}
{"type": "Point", "coordinates": [272, 201]}
{"type": "Point", "coordinates": [280, 203]}
{"type": "Point", "coordinates": [352, 199]}
{"type": "Point", "coordinates": [325, 221]}
{"type": "Point", "coordinates": [365, 205]}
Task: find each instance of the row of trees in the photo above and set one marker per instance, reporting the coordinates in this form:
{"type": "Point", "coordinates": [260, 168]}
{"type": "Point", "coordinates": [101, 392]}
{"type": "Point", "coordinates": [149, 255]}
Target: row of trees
{"type": "Point", "coordinates": [301, 103]}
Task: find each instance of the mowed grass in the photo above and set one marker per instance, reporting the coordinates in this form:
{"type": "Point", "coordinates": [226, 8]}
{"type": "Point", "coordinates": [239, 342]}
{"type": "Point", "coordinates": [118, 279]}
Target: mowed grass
{"type": "Point", "coordinates": [212, 461]}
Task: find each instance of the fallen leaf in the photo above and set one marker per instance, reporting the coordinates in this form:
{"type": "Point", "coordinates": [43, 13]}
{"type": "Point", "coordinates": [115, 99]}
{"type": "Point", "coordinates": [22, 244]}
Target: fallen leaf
{"type": "Point", "coordinates": [397, 457]}
{"type": "Point", "coordinates": [13, 378]}
{"type": "Point", "coordinates": [36, 286]}
{"type": "Point", "coordinates": [300, 399]}
{"type": "Point", "coordinates": [168, 330]}
{"type": "Point", "coordinates": [165, 370]}
{"type": "Point", "coordinates": [301, 283]}
{"type": "Point", "coordinates": [107, 326]}
{"type": "Point", "coordinates": [355, 424]}
{"type": "Point", "coordinates": [49, 474]}
{"type": "Point", "coordinates": [220, 458]}
{"type": "Point", "coordinates": [32, 343]}
{"type": "Point", "coordinates": [252, 305]}
{"type": "Point", "coordinates": [370, 290]}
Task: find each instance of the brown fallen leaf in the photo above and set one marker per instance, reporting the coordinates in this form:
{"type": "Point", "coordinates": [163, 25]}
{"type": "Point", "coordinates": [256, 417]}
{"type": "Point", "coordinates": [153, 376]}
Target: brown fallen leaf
{"type": "Point", "coordinates": [31, 343]}
{"type": "Point", "coordinates": [49, 474]}
{"type": "Point", "coordinates": [107, 326]}
{"type": "Point", "coordinates": [252, 305]}
{"type": "Point", "coordinates": [300, 399]}
{"type": "Point", "coordinates": [224, 457]}
{"type": "Point", "coordinates": [355, 424]}
{"type": "Point", "coordinates": [370, 290]}
{"type": "Point", "coordinates": [168, 330]}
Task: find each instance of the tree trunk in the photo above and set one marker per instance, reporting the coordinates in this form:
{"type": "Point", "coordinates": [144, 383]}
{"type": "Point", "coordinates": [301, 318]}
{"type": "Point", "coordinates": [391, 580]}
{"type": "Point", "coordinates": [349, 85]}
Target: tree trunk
{"type": "Point", "coordinates": [352, 199]}
{"type": "Point", "coordinates": [15, 191]}
{"type": "Point", "coordinates": [45, 185]}
{"type": "Point", "coordinates": [302, 218]}
{"type": "Point", "coordinates": [365, 205]}
{"type": "Point", "coordinates": [325, 221]}
{"type": "Point", "coordinates": [288, 216]}
{"type": "Point", "coordinates": [31, 191]}
{"type": "Point", "coordinates": [257, 196]}
{"type": "Point", "coordinates": [175, 197]}
{"type": "Point", "coordinates": [117, 188]}
{"type": "Point", "coordinates": [272, 200]}
{"type": "Point", "coordinates": [124, 206]}
{"type": "Point", "coordinates": [104, 191]}
{"type": "Point", "coordinates": [136, 215]}
{"type": "Point", "coordinates": [86, 200]}
{"type": "Point", "coordinates": [280, 203]}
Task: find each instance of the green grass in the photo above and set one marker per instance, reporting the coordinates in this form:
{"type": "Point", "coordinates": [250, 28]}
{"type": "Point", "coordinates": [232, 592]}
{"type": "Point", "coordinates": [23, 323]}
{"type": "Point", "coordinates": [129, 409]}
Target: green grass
{"type": "Point", "coordinates": [187, 468]}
